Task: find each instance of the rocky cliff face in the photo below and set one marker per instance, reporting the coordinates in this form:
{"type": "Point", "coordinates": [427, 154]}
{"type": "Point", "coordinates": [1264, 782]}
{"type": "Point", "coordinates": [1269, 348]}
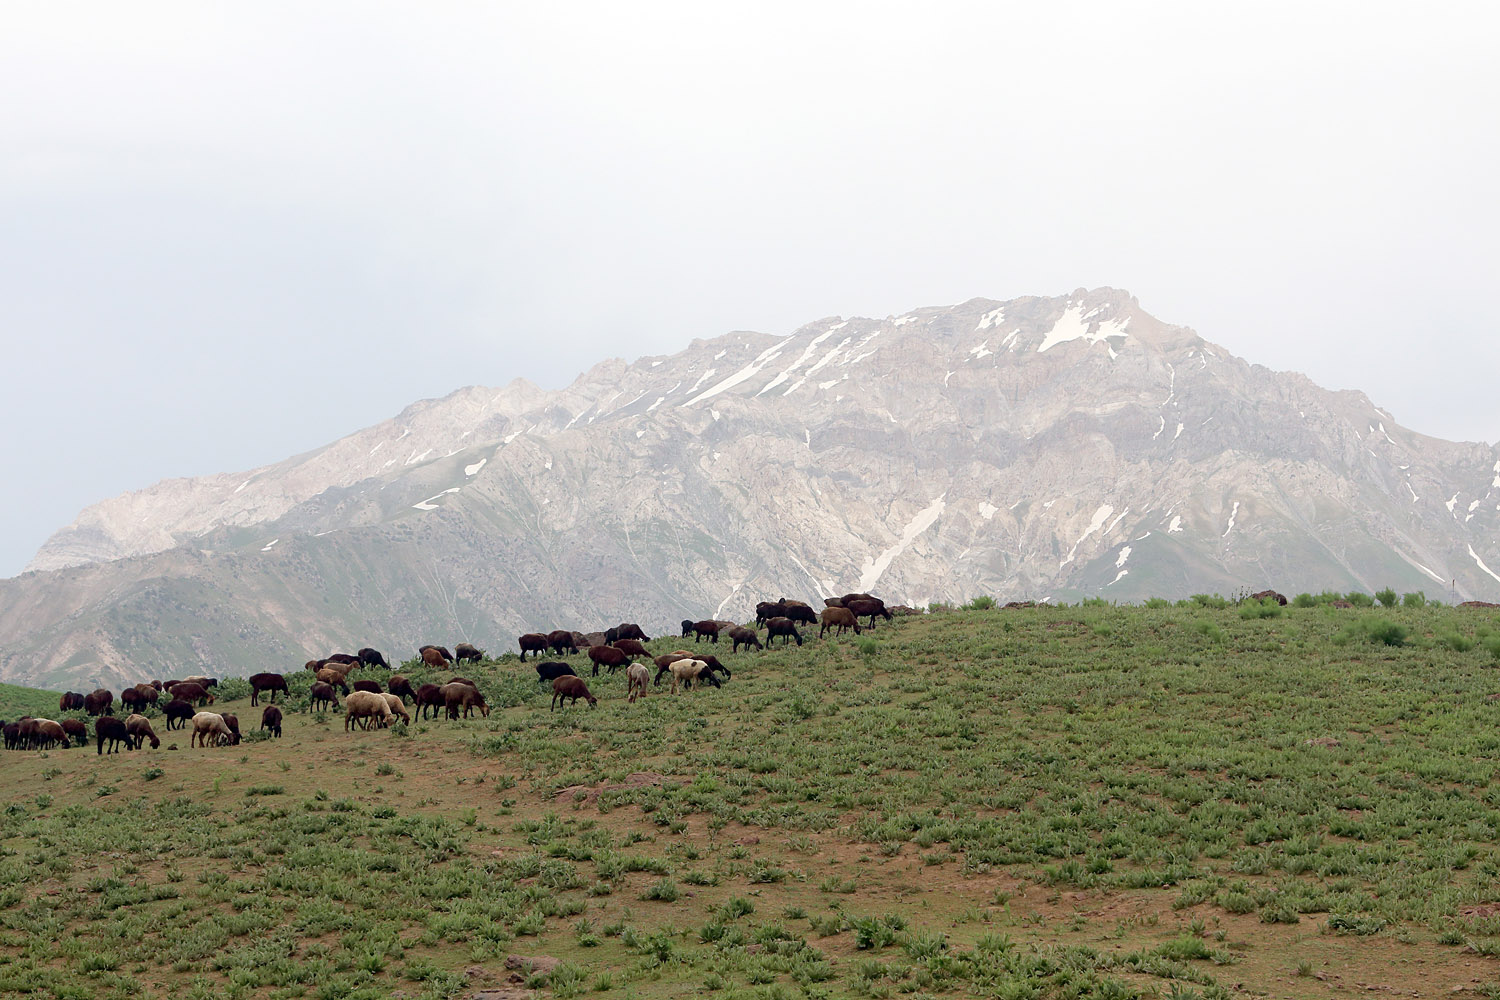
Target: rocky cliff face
{"type": "Point", "coordinates": [1042, 447]}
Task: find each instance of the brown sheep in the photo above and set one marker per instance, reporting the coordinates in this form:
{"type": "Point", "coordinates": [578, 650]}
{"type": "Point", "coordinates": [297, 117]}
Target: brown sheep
{"type": "Point", "coordinates": [398, 707]}
{"type": "Point", "coordinates": [469, 652]}
{"type": "Point", "coordinates": [50, 733]}
{"type": "Point", "coordinates": [799, 611]}
{"type": "Point", "coordinates": [271, 719]}
{"type": "Point", "coordinates": [233, 722]}
{"type": "Point", "coordinates": [139, 728]}
{"type": "Point", "coordinates": [401, 688]}
{"type": "Point", "coordinates": [708, 628]}
{"type": "Point", "coordinates": [371, 657]}
{"type": "Point", "coordinates": [195, 693]}
{"type": "Point", "coordinates": [266, 682]}
{"type": "Point", "coordinates": [631, 647]}
{"type": "Point", "coordinates": [571, 687]}
{"type": "Point", "coordinates": [366, 708]}
{"type": "Point", "coordinates": [330, 675]}
{"type": "Point", "coordinates": [625, 630]}
{"type": "Point", "coordinates": [322, 697]}
{"type": "Point", "coordinates": [133, 700]}
{"type": "Point", "coordinates": [178, 711]}
{"type": "Point", "coordinates": [561, 639]}
{"type": "Point", "coordinates": [209, 724]}
{"type": "Point", "coordinates": [532, 642]}
{"type": "Point", "coordinates": [346, 659]}
{"type": "Point", "coordinates": [99, 702]}
{"type": "Point", "coordinates": [636, 676]}
{"type": "Point", "coordinates": [743, 636]}
{"type": "Point", "coordinates": [433, 657]}
{"type": "Point", "coordinates": [76, 729]}
{"type": "Point", "coordinates": [428, 696]}
{"type": "Point", "coordinates": [608, 656]}
{"type": "Point", "coordinates": [839, 619]}
{"type": "Point", "coordinates": [783, 627]}
{"type": "Point", "coordinates": [314, 665]}
{"type": "Point", "coordinates": [371, 686]}
{"type": "Point", "coordinates": [872, 607]}
{"type": "Point", "coordinates": [463, 696]}
{"type": "Point", "coordinates": [70, 702]}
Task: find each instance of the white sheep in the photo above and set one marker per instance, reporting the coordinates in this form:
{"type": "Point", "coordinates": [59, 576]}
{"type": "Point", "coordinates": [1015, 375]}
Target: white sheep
{"type": "Point", "coordinates": [397, 707]}
{"type": "Point", "coordinates": [685, 672]}
{"type": "Point", "coordinates": [207, 724]}
{"type": "Point", "coordinates": [636, 677]}
{"type": "Point", "coordinates": [366, 705]}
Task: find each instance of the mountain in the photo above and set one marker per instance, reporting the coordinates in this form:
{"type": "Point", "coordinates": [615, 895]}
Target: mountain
{"type": "Point", "coordinates": [1035, 448]}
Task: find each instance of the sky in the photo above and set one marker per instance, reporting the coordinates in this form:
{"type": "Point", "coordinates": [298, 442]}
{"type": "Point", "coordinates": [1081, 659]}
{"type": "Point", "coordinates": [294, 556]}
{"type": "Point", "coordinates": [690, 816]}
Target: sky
{"type": "Point", "coordinates": [231, 233]}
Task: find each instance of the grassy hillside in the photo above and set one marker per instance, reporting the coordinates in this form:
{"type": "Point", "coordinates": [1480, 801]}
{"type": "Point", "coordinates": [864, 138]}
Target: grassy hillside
{"type": "Point", "coordinates": [1068, 802]}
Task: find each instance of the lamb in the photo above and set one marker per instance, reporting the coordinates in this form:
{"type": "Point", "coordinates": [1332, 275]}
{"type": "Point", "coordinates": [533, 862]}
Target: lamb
{"type": "Point", "coordinates": [266, 682]}
{"type": "Point", "coordinates": [365, 707]}
{"type": "Point", "coordinates": [464, 696]}
{"type": "Point", "coordinates": [553, 669]}
{"type": "Point", "coordinates": [322, 697]}
{"type": "Point", "coordinates": [636, 676]}
{"type": "Point", "coordinates": [139, 728]}
{"type": "Point", "coordinates": [743, 636]}
{"type": "Point", "coordinates": [178, 711]}
{"type": "Point", "coordinates": [206, 724]}
{"type": "Point", "coordinates": [571, 687]}
{"type": "Point", "coordinates": [838, 619]}
{"type": "Point", "coordinates": [397, 706]}
{"type": "Point", "coordinates": [271, 719]}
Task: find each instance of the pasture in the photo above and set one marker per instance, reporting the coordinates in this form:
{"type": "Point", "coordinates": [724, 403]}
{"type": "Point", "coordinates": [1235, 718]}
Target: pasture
{"type": "Point", "coordinates": [1051, 802]}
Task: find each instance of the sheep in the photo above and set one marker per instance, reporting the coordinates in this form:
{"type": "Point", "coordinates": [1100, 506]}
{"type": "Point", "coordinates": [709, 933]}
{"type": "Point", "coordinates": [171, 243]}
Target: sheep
{"type": "Point", "coordinates": [872, 606]}
{"type": "Point", "coordinates": [371, 686]}
{"type": "Point", "coordinates": [626, 630]}
{"type": "Point", "coordinates": [442, 651]}
{"type": "Point", "coordinates": [636, 676]}
{"type": "Point", "coordinates": [553, 669]}
{"type": "Point", "coordinates": [373, 658]}
{"type": "Point", "coordinates": [799, 611]}
{"type": "Point", "coordinates": [838, 619]}
{"type": "Point", "coordinates": [466, 651]}
{"type": "Point", "coordinates": [783, 627]}
{"type": "Point", "coordinates": [178, 711]}
{"type": "Point", "coordinates": [271, 719]}
{"type": "Point", "coordinates": [463, 680]}
{"type": "Point", "coordinates": [331, 675]}
{"type": "Point", "coordinates": [72, 701]}
{"type": "Point", "coordinates": [188, 691]}
{"type": "Point", "coordinates": [665, 661]}
{"type": "Point", "coordinates": [464, 696]}
{"type": "Point", "coordinates": [345, 659]}
{"type": "Point", "coordinates": [766, 610]}
{"type": "Point", "coordinates": [685, 672]}
{"type": "Point", "coordinates": [428, 696]}
{"type": "Point", "coordinates": [322, 697]}
{"type": "Point", "coordinates": [266, 682]}
{"type": "Point", "coordinates": [561, 639]}
{"type": "Point", "coordinates": [609, 656]}
{"type": "Point", "coordinates": [433, 657]}
{"type": "Point", "coordinates": [207, 682]}
{"type": "Point", "coordinates": [532, 642]}
{"type": "Point", "coordinates": [206, 724]}
{"type": "Point", "coordinates": [708, 628]}
{"type": "Point", "coordinates": [743, 636]}
{"type": "Point", "coordinates": [132, 699]}
{"type": "Point", "coordinates": [99, 702]}
{"type": "Point", "coordinates": [76, 729]}
{"type": "Point", "coordinates": [233, 722]}
{"type": "Point", "coordinates": [713, 664]}
{"type": "Point", "coordinates": [313, 666]}
{"type": "Point", "coordinates": [631, 647]}
{"type": "Point", "coordinates": [139, 728]}
{"type": "Point", "coordinates": [49, 733]}
{"type": "Point", "coordinates": [12, 731]}
{"type": "Point", "coordinates": [364, 706]}
{"type": "Point", "coordinates": [687, 627]}
{"type": "Point", "coordinates": [397, 706]}
{"type": "Point", "coordinates": [401, 687]}
{"type": "Point", "coordinates": [571, 687]}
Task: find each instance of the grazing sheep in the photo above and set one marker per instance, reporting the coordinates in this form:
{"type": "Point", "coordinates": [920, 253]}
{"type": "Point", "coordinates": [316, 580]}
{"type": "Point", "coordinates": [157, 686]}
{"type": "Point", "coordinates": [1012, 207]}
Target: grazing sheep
{"type": "Point", "coordinates": [687, 627]}
{"type": "Point", "coordinates": [178, 711]}
{"type": "Point", "coordinates": [467, 652]}
{"type": "Point", "coordinates": [429, 696]}
{"type": "Point", "coordinates": [314, 665]}
{"type": "Point", "coordinates": [553, 669]}
{"type": "Point", "coordinates": [401, 688]}
{"type": "Point", "coordinates": [188, 691]}
{"type": "Point", "coordinates": [12, 732]}
{"type": "Point", "coordinates": [860, 607]}
{"type": "Point", "coordinates": [838, 619]}
{"type": "Point", "coordinates": [72, 701]}
{"type": "Point", "coordinates": [532, 642]}
{"type": "Point", "coordinates": [665, 660]}
{"type": "Point", "coordinates": [139, 728]}
{"type": "Point", "coordinates": [371, 686]}
{"type": "Point", "coordinates": [322, 697]}
{"type": "Point", "coordinates": [783, 627]}
{"type": "Point", "coordinates": [708, 628]}
{"type": "Point", "coordinates": [766, 610]}
{"type": "Point", "coordinates": [433, 657]}
{"type": "Point", "coordinates": [463, 680]}
{"type": "Point", "coordinates": [636, 676]}
{"type": "Point", "coordinates": [561, 639]}
{"type": "Point", "coordinates": [271, 719]}
{"type": "Point", "coordinates": [799, 611]}
{"type": "Point", "coordinates": [99, 702]}
{"type": "Point", "coordinates": [397, 707]}
{"type": "Point", "coordinates": [49, 733]}
{"type": "Point", "coordinates": [76, 729]}
{"type": "Point", "coordinates": [626, 630]}
{"type": "Point", "coordinates": [713, 664]}
{"type": "Point", "coordinates": [686, 672]}
{"type": "Point", "coordinates": [206, 724]}
{"type": "Point", "coordinates": [463, 696]}
{"type": "Point", "coordinates": [133, 700]}
{"type": "Point", "coordinates": [330, 675]}
{"type": "Point", "coordinates": [345, 659]}
{"type": "Point", "coordinates": [631, 647]}
{"type": "Point", "coordinates": [608, 656]}
{"type": "Point", "coordinates": [266, 682]}
{"type": "Point", "coordinates": [233, 722]}
{"type": "Point", "coordinates": [207, 682]}
{"type": "Point", "coordinates": [743, 636]}
{"type": "Point", "coordinates": [373, 658]}
{"type": "Point", "coordinates": [571, 687]}
{"type": "Point", "coordinates": [366, 707]}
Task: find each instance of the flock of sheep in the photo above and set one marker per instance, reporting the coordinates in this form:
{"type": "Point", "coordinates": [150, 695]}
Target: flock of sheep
{"type": "Point", "coordinates": [367, 705]}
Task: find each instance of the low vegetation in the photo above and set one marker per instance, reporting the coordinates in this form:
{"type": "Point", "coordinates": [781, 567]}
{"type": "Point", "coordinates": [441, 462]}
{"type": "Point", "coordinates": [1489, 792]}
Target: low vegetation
{"type": "Point", "coordinates": [1183, 800]}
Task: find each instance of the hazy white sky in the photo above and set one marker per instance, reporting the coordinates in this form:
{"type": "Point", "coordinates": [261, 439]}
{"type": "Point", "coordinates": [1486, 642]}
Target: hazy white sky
{"type": "Point", "coordinates": [233, 232]}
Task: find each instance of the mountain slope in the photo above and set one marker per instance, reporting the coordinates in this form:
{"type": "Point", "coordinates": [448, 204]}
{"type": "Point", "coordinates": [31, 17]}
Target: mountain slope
{"type": "Point", "coordinates": [1042, 447]}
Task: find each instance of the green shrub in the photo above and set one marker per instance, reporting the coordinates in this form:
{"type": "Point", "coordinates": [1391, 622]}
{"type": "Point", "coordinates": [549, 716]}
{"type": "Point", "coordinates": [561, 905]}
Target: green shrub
{"type": "Point", "coordinates": [1304, 601]}
{"type": "Point", "coordinates": [980, 603]}
{"type": "Point", "coordinates": [1456, 642]}
{"type": "Point", "coordinates": [1209, 630]}
{"type": "Point", "coordinates": [1414, 600]}
{"type": "Point", "coordinates": [1359, 599]}
{"type": "Point", "coordinates": [1374, 630]}
{"type": "Point", "coordinates": [1386, 597]}
{"type": "Point", "coordinates": [1210, 601]}
{"type": "Point", "coordinates": [1265, 608]}
{"type": "Point", "coordinates": [1158, 602]}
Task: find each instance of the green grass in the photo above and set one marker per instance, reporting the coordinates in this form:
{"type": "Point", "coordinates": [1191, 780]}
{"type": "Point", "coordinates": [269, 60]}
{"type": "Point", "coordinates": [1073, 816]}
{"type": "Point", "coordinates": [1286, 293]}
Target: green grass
{"type": "Point", "coordinates": [913, 814]}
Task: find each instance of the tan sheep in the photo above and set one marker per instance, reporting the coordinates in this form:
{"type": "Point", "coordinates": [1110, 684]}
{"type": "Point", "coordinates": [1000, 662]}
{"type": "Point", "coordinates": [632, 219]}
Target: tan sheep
{"type": "Point", "coordinates": [636, 677]}
{"type": "Point", "coordinates": [397, 707]}
{"type": "Point", "coordinates": [206, 724]}
{"type": "Point", "coordinates": [366, 706]}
